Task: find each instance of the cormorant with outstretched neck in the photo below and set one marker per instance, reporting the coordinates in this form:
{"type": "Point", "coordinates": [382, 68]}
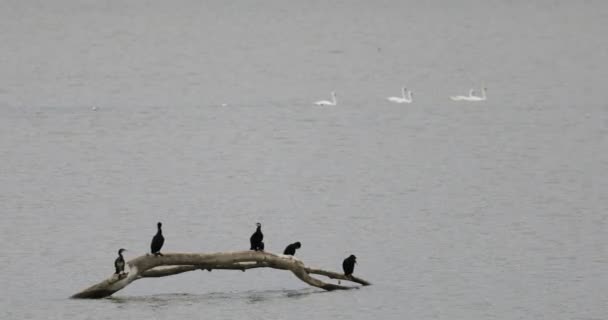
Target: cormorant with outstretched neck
{"type": "Point", "coordinates": [119, 263]}
{"type": "Point", "coordinates": [349, 265]}
{"type": "Point", "coordinates": [157, 241]}
{"type": "Point", "coordinates": [291, 249]}
{"type": "Point", "coordinates": [256, 239]}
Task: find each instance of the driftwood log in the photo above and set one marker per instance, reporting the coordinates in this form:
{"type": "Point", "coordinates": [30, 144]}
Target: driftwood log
{"type": "Point", "coordinates": [150, 266]}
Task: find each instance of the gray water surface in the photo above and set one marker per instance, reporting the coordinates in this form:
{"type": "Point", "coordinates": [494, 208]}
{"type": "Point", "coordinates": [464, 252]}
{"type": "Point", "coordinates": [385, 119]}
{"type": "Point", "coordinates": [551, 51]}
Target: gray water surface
{"type": "Point", "coordinates": [492, 210]}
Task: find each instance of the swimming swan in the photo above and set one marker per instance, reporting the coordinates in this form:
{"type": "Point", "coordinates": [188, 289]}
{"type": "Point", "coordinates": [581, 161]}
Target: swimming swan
{"type": "Point", "coordinates": [333, 101]}
{"type": "Point", "coordinates": [403, 98]}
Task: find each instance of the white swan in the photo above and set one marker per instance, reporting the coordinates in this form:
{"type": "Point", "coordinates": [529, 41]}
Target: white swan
{"type": "Point", "coordinates": [464, 98]}
{"type": "Point", "coordinates": [333, 101]}
{"type": "Point", "coordinates": [403, 98]}
{"type": "Point", "coordinates": [479, 98]}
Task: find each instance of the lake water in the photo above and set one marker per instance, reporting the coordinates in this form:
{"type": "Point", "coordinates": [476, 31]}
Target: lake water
{"type": "Point", "coordinates": [491, 210]}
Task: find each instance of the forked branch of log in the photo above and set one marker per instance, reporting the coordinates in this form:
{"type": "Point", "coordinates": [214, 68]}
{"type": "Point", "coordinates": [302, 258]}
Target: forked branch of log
{"type": "Point", "coordinates": [150, 266]}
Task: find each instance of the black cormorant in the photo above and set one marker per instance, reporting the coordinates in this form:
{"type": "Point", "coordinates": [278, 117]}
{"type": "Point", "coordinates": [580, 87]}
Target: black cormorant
{"type": "Point", "coordinates": [157, 241]}
{"type": "Point", "coordinates": [119, 263]}
{"type": "Point", "coordinates": [349, 265]}
{"type": "Point", "coordinates": [256, 239]}
{"type": "Point", "coordinates": [291, 249]}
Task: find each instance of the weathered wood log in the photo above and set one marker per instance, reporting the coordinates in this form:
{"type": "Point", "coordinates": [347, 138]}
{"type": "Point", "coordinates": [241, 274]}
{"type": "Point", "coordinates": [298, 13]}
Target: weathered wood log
{"type": "Point", "coordinates": [150, 266]}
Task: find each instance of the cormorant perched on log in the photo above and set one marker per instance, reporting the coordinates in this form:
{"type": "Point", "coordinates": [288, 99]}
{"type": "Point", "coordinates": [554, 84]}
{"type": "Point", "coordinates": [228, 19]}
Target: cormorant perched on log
{"type": "Point", "coordinates": [349, 265]}
{"type": "Point", "coordinates": [157, 241]}
{"type": "Point", "coordinates": [291, 249]}
{"type": "Point", "coordinates": [256, 239]}
{"type": "Point", "coordinates": [119, 263]}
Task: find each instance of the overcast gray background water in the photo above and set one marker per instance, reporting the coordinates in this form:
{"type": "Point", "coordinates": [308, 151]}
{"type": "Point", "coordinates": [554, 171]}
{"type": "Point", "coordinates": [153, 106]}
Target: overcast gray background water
{"type": "Point", "coordinates": [494, 210]}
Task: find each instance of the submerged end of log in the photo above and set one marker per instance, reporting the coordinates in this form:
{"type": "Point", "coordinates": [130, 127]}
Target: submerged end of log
{"type": "Point", "coordinates": [93, 294]}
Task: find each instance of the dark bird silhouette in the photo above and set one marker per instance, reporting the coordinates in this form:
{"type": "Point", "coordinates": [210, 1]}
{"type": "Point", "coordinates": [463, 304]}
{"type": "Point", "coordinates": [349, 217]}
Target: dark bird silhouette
{"type": "Point", "coordinates": [256, 239]}
{"type": "Point", "coordinates": [349, 265]}
{"type": "Point", "coordinates": [119, 263]}
{"type": "Point", "coordinates": [291, 249]}
{"type": "Point", "coordinates": [157, 241]}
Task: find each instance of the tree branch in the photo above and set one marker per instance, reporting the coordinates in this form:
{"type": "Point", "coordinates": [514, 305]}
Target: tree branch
{"type": "Point", "coordinates": [169, 271]}
{"type": "Point", "coordinates": [335, 275]}
{"type": "Point", "coordinates": [150, 266]}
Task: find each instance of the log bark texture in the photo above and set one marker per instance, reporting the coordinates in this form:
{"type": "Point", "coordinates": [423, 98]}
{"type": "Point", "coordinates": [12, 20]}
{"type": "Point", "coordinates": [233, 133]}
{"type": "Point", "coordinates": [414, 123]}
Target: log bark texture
{"type": "Point", "coordinates": [150, 266]}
